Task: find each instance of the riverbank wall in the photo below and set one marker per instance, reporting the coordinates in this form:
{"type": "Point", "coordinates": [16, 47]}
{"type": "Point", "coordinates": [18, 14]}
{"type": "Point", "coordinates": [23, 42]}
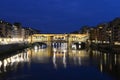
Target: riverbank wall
{"type": "Point", "coordinates": [106, 48]}
{"type": "Point", "coordinates": [10, 48]}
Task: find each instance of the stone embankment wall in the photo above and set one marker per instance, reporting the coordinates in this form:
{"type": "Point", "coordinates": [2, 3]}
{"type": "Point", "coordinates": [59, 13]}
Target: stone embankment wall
{"type": "Point", "coordinates": [106, 48]}
{"type": "Point", "coordinates": [8, 49]}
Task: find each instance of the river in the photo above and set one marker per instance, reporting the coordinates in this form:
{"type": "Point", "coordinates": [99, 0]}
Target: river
{"type": "Point", "coordinates": [60, 64]}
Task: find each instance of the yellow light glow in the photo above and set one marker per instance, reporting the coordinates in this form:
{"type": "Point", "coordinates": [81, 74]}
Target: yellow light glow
{"type": "Point", "coordinates": [101, 67]}
{"type": "Point", "coordinates": [100, 27]}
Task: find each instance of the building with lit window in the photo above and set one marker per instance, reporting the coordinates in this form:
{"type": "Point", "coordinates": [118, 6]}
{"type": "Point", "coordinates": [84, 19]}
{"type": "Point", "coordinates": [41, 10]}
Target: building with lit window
{"type": "Point", "coordinates": [2, 29]}
{"type": "Point", "coordinates": [115, 28]}
{"type": "Point", "coordinates": [17, 29]}
{"type": "Point", "coordinates": [5, 29]}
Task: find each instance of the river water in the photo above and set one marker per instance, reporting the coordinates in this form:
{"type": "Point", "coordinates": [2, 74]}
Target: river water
{"type": "Point", "coordinates": [60, 64]}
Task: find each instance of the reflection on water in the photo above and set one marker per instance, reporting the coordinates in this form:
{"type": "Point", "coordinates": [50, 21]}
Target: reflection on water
{"type": "Point", "coordinates": [63, 58]}
{"type": "Point", "coordinates": [12, 62]}
{"type": "Point", "coordinates": [107, 63]}
{"type": "Point", "coordinates": [59, 56]}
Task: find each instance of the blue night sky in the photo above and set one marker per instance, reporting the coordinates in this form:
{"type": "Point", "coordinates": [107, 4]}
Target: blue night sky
{"type": "Point", "coordinates": [59, 16]}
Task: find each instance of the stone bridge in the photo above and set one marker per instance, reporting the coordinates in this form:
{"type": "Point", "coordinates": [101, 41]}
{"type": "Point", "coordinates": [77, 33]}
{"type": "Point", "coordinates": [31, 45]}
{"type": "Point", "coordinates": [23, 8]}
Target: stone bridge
{"type": "Point", "coordinates": [51, 38]}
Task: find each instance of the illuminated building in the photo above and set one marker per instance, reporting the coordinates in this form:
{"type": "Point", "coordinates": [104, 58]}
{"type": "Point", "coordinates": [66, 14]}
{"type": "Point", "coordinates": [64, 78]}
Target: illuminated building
{"type": "Point", "coordinates": [17, 30]}
{"type": "Point", "coordinates": [5, 29]}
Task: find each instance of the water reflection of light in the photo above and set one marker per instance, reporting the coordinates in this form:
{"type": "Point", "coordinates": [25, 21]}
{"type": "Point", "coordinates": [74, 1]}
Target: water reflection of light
{"type": "Point", "coordinates": [64, 51]}
{"type": "Point", "coordinates": [59, 55]}
{"type": "Point", "coordinates": [74, 51]}
{"type": "Point", "coordinates": [78, 53]}
{"type": "Point", "coordinates": [41, 55]}
{"type": "Point", "coordinates": [54, 49]}
{"type": "Point", "coordinates": [54, 61]}
{"type": "Point", "coordinates": [0, 66]}
{"type": "Point", "coordinates": [101, 67]}
{"type": "Point", "coordinates": [105, 58]}
{"type": "Point", "coordinates": [79, 60]}
{"type": "Point", "coordinates": [115, 57]}
{"type": "Point", "coordinates": [107, 61]}
{"type": "Point", "coordinates": [36, 50]}
{"type": "Point", "coordinates": [118, 59]}
{"type": "Point", "coordinates": [13, 61]}
{"type": "Point", "coordinates": [64, 61]}
{"type": "Point", "coordinates": [35, 47]}
{"type": "Point", "coordinates": [8, 59]}
{"type": "Point", "coordinates": [4, 64]}
{"type": "Point", "coordinates": [77, 56]}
